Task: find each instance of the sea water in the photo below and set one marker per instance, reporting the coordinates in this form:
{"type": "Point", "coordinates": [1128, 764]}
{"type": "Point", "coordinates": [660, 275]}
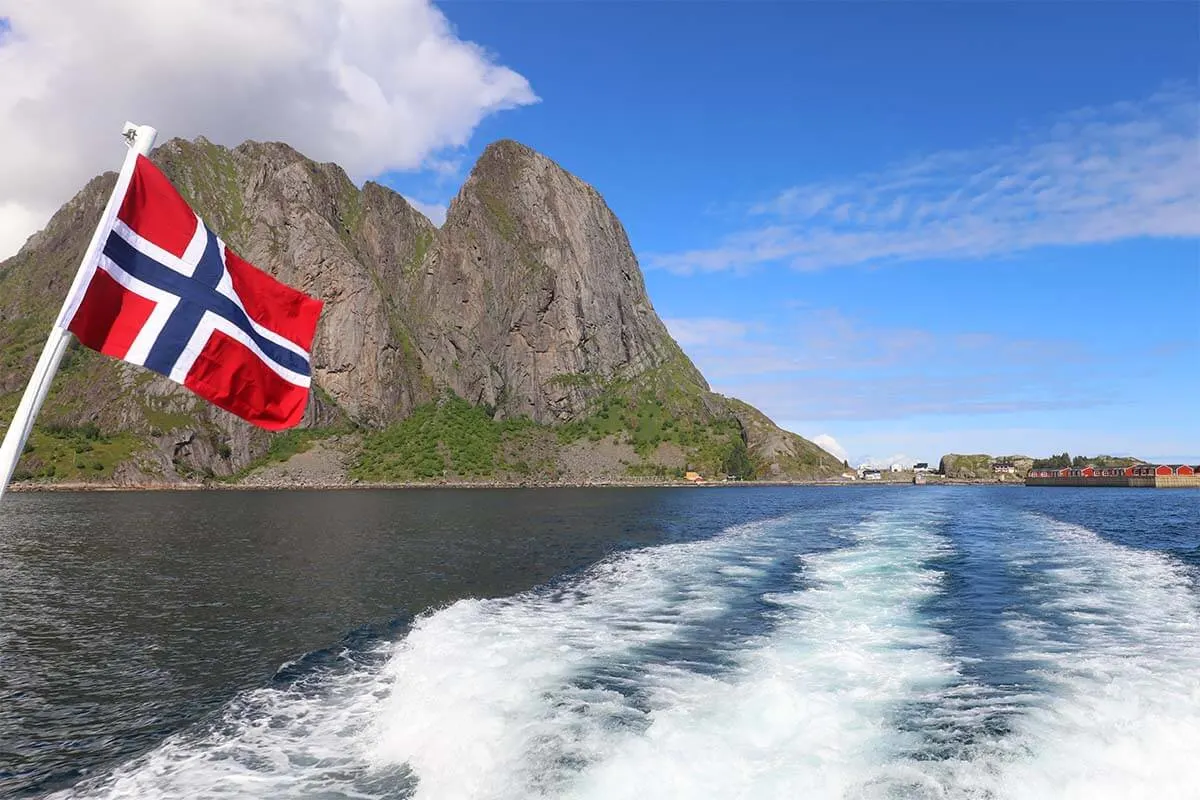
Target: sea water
{"type": "Point", "coordinates": [883, 642]}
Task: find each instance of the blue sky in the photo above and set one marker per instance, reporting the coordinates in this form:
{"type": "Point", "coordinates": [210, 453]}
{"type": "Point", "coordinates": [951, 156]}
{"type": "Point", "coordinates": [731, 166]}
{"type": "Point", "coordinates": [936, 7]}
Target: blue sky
{"type": "Point", "coordinates": [914, 228]}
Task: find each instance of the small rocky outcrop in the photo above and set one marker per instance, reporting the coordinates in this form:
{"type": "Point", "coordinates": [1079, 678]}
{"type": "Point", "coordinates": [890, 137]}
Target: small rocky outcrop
{"type": "Point", "coordinates": [979, 466]}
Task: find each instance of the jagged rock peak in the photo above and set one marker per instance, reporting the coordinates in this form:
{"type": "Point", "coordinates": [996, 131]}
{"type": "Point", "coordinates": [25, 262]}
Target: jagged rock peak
{"type": "Point", "coordinates": [507, 153]}
{"type": "Point", "coordinates": [533, 301]}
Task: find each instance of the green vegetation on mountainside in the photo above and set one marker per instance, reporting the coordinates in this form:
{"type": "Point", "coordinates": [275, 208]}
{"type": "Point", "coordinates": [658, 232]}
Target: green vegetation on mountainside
{"type": "Point", "coordinates": [449, 437]}
{"type": "Point", "coordinates": [668, 404]}
{"type": "Point", "coordinates": [643, 421]}
{"type": "Point", "coordinates": [67, 453]}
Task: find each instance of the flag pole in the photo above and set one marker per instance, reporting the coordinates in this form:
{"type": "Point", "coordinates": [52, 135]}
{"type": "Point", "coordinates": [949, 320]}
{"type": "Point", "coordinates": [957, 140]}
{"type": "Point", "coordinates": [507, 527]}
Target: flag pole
{"type": "Point", "coordinates": [140, 139]}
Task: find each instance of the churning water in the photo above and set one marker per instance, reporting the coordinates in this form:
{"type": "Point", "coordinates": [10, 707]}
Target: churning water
{"type": "Point", "coordinates": [918, 642]}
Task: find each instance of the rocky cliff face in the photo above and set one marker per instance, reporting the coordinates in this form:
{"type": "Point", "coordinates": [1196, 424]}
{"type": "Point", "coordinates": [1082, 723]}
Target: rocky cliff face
{"type": "Point", "coordinates": [309, 225]}
{"type": "Point", "coordinates": [528, 302]}
{"type": "Point", "coordinates": [531, 299]}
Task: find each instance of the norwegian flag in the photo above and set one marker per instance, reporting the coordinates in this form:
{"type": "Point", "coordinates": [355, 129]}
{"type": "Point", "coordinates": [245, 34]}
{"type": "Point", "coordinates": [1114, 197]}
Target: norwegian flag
{"type": "Point", "coordinates": [167, 294]}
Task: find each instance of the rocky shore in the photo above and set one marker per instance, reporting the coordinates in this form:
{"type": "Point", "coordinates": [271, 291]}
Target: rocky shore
{"type": "Point", "coordinates": [309, 485]}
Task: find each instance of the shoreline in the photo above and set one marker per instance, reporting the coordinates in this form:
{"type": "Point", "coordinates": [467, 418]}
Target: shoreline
{"type": "Point", "coordinates": [216, 486]}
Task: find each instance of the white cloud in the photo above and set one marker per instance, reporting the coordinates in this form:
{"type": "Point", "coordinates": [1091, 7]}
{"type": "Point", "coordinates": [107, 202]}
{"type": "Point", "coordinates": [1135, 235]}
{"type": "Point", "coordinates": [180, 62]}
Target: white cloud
{"type": "Point", "coordinates": [372, 86]}
{"type": "Point", "coordinates": [1093, 176]}
{"type": "Point", "coordinates": [435, 212]}
{"type": "Point", "coordinates": [886, 462]}
{"type": "Point", "coordinates": [830, 445]}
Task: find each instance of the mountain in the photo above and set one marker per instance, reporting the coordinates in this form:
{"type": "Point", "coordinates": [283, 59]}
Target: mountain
{"type": "Point", "coordinates": [515, 342]}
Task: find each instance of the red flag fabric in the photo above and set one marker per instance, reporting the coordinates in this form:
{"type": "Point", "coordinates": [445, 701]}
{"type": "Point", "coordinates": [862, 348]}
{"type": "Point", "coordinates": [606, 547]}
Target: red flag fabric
{"type": "Point", "coordinates": [166, 293]}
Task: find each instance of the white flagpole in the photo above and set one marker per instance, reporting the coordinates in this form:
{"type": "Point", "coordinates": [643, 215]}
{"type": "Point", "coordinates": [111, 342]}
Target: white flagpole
{"type": "Point", "coordinates": [141, 139]}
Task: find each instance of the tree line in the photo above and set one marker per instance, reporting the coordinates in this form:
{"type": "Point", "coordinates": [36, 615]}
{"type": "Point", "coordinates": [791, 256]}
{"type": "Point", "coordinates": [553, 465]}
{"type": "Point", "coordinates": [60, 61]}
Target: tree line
{"type": "Point", "coordinates": [1064, 459]}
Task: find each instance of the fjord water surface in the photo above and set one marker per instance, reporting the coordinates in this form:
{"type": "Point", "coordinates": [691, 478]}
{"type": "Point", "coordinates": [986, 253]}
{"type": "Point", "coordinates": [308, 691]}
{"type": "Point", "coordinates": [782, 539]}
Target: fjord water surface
{"type": "Point", "coordinates": [884, 642]}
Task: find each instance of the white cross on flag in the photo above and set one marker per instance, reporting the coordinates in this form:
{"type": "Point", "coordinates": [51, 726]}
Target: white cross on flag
{"type": "Point", "coordinates": [165, 293]}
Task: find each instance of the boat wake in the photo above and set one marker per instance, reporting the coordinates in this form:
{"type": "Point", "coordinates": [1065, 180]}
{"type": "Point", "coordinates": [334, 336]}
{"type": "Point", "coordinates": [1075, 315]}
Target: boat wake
{"type": "Point", "coordinates": [806, 656]}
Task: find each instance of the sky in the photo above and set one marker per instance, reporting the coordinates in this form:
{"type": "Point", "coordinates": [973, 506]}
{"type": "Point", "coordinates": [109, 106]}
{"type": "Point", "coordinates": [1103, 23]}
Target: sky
{"type": "Point", "coordinates": [901, 229]}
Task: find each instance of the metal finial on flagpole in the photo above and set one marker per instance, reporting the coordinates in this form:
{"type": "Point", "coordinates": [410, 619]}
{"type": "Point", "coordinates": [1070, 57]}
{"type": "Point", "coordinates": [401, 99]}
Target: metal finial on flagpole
{"type": "Point", "coordinates": [135, 135]}
{"type": "Point", "coordinates": [140, 139]}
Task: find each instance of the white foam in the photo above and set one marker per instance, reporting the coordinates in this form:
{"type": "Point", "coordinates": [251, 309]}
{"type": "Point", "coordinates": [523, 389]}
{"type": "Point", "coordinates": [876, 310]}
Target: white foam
{"type": "Point", "coordinates": [269, 743]}
{"type": "Point", "coordinates": [489, 701]}
{"type": "Point", "coordinates": [809, 712]}
{"type": "Point", "coordinates": [632, 681]}
{"type": "Point", "coordinates": [481, 699]}
{"type": "Point", "coordinates": [1115, 633]}
{"type": "Point", "coordinates": [511, 698]}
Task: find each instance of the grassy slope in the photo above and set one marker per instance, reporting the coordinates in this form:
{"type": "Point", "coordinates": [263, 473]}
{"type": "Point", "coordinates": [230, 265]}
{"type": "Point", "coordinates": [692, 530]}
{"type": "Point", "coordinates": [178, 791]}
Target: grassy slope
{"type": "Point", "coordinates": [664, 406]}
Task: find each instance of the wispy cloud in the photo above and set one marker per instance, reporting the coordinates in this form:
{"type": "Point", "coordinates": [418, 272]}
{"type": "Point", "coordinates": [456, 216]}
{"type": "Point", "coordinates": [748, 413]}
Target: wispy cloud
{"type": "Point", "coordinates": [824, 365]}
{"type": "Point", "coordinates": [825, 397]}
{"type": "Point", "coordinates": [1092, 176]}
{"type": "Point", "coordinates": [824, 340]}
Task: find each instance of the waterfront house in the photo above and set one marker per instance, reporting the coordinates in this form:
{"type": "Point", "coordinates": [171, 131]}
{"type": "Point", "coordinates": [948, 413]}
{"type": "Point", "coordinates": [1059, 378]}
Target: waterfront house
{"type": "Point", "coordinates": [1140, 475]}
{"type": "Point", "coordinates": [921, 466]}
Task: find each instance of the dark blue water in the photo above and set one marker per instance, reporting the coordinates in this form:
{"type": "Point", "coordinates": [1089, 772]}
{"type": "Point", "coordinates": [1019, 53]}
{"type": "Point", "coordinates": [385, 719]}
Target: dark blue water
{"type": "Point", "coordinates": [728, 642]}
